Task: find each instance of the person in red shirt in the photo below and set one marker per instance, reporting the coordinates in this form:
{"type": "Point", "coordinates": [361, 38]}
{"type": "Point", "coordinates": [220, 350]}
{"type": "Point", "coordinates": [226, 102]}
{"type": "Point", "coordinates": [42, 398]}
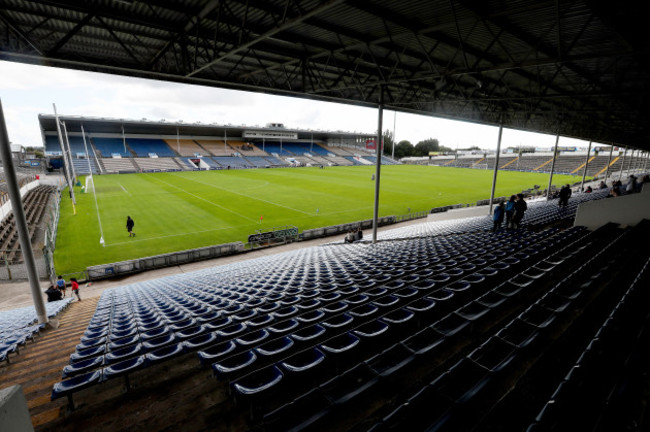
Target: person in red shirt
{"type": "Point", "coordinates": [75, 287]}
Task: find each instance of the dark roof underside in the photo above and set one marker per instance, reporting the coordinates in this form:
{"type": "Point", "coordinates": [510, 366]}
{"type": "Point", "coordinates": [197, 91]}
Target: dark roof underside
{"type": "Point", "coordinates": [578, 68]}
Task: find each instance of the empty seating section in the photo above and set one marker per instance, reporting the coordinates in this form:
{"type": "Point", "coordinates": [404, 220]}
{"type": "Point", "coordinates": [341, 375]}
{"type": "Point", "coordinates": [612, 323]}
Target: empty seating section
{"type": "Point", "coordinates": [298, 336]}
{"type": "Point", "coordinates": [232, 162]}
{"type": "Point", "coordinates": [186, 147]}
{"type": "Point", "coordinates": [246, 149]}
{"type": "Point", "coordinates": [216, 147]}
{"type": "Point", "coordinates": [18, 326]}
{"type": "Point", "coordinates": [35, 203]}
{"type": "Point", "coordinates": [85, 166]}
{"type": "Point", "coordinates": [107, 147]}
{"type": "Point", "coordinates": [52, 144]}
{"type": "Point", "coordinates": [115, 165]}
{"type": "Point", "coordinates": [156, 164]}
{"type": "Point", "coordinates": [143, 147]}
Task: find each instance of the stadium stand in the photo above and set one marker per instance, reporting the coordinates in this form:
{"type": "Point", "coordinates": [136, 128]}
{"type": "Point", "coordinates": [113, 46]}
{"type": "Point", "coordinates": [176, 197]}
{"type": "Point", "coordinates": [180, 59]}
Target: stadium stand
{"type": "Point", "coordinates": [246, 149]}
{"type": "Point", "coordinates": [21, 325]}
{"type": "Point", "coordinates": [35, 202]}
{"type": "Point", "coordinates": [157, 164]}
{"type": "Point", "coordinates": [186, 147]}
{"type": "Point", "coordinates": [52, 144]}
{"type": "Point", "coordinates": [143, 147]}
{"type": "Point", "coordinates": [81, 166]}
{"type": "Point", "coordinates": [107, 147]}
{"type": "Point", "coordinates": [232, 162]}
{"type": "Point", "coordinates": [216, 147]}
{"type": "Point", "coordinates": [116, 165]}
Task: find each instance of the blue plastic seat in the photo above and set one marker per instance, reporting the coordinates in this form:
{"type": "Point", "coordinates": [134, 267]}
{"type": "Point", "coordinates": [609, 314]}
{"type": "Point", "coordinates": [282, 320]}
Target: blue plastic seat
{"type": "Point", "coordinates": [335, 307]}
{"type": "Point", "coordinates": [87, 353]}
{"type": "Point", "coordinates": [215, 352]}
{"type": "Point", "coordinates": [310, 316]}
{"type": "Point", "coordinates": [124, 367]}
{"type": "Point", "coordinates": [364, 310]}
{"type": "Point", "coordinates": [235, 365]}
{"type": "Point", "coordinates": [252, 338]}
{"type": "Point", "coordinates": [199, 341]}
{"type": "Point", "coordinates": [123, 342]}
{"type": "Point", "coordinates": [303, 365]}
{"type": "Point", "coordinates": [123, 353]}
{"type": "Point", "coordinates": [71, 385]}
{"type": "Point", "coordinates": [159, 341]}
{"type": "Point", "coordinates": [190, 332]}
{"type": "Point", "coordinates": [165, 353]}
{"type": "Point", "coordinates": [218, 323]}
{"type": "Point", "coordinates": [308, 334]}
{"type": "Point", "coordinates": [338, 322]}
{"type": "Point", "coordinates": [260, 384]}
{"type": "Point", "coordinates": [283, 327]}
{"type": "Point", "coordinates": [83, 366]}
{"type": "Point", "coordinates": [424, 341]}
{"type": "Point", "coordinates": [231, 331]}
{"type": "Point", "coordinates": [150, 334]}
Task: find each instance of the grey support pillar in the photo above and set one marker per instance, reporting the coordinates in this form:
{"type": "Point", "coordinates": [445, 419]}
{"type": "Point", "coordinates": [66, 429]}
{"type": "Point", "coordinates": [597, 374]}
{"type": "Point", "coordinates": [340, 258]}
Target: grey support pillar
{"type": "Point", "coordinates": [550, 177]}
{"type": "Point", "coordinates": [496, 167]}
{"type": "Point", "coordinates": [21, 222]}
{"type": "Point", "coordinates": [620, 172]}
{"type": "Point", "coordinates": [584, 172]}
{"type": "Point", "coordinates": [609, 162]}
{"type": "Point", "coordinates": [380, 136]}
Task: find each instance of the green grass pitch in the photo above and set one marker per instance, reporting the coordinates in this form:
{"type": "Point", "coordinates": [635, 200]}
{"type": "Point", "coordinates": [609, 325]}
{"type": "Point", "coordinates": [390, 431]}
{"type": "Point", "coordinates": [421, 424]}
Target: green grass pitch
{"type": "Point", "coordinates": [185, 210]}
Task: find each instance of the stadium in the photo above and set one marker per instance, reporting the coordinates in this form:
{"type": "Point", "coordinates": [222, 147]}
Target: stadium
{"type": "Point", "coordinates": [242, 300]}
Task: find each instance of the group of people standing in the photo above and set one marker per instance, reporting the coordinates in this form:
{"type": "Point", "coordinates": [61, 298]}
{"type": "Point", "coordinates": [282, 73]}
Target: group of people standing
{"type": "Point", "coordinates": [512, 211]}
{"type": "Point", "coordinates": [57, 291]}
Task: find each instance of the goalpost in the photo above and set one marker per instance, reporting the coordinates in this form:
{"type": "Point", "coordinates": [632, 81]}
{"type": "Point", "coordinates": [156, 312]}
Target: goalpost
{"type": "Point", "coordinates": [90, 180]}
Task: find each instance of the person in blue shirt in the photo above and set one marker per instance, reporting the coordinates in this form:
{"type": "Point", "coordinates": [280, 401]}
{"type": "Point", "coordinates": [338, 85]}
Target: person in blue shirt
{"type": "Point", "coordinates": [498, 215]}
{"type": "Point", "coordinates": [60, 284]}
{"type": "Point", "coordinates": [510, 211]}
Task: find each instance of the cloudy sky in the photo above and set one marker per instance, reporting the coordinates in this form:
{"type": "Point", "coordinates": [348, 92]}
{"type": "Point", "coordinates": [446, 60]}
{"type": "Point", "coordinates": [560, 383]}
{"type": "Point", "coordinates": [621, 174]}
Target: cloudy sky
{"type": "Point", "coordinates": [26, 91]}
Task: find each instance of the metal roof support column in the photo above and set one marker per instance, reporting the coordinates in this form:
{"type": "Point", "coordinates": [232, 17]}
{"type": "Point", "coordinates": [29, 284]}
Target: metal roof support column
{"type": "Point", "coordinates": [550, 177]}
{"type": "Point", "coordinates": [21, 222]}
{"type": "Point", "coordinates": [392, 155]}
{"type": "Point", "coordinates": [380, 118]}
{"type": "Point", "coordinates": [496, 167]}
{"type": "Point", "coordinates": [620, 173]}
{"type": "Point", "coordinates": [609, 162]}
{"type": "Point", "coordinates": [123, 138]}
{"type": "Point", "coordinates": [645, 161]}
{"type": "Point", "coordinates": [584, 173]}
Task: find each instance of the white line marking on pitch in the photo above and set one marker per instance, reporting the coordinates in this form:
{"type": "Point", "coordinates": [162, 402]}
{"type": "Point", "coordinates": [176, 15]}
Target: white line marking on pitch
{"type": "Point", "coordinates": [244, 195]}
{"type": "Point", "coordinates": [209, 202]}
{"type": "Point", "coordinates": [124, 189]}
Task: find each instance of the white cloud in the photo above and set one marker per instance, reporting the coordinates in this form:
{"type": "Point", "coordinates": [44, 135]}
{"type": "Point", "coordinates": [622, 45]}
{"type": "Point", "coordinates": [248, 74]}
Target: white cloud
{"type": "Point", "coordinates": [29, 90]}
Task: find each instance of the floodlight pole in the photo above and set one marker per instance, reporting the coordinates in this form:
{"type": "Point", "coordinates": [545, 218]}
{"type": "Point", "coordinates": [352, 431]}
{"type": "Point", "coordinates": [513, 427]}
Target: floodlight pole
{"type": "Point", "coordinates": [620, 172]}
{"type": "Point", "coordinates": [550, 177]}
{"type": "Point", "coordinates": [584, 173]}
{"type": "Point", "coordinates": [609, 162]}
{"type": "Point", "coordinates": [21, 222]}
{"type": "Point", "coordinates": [496, 167]}
{"type": "Point", "coordinates": [375, 216]}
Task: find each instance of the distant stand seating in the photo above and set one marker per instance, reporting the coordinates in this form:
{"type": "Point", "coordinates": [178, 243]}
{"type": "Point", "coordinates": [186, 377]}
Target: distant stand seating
{"type": "Point", "coordinates": [216, 147]}
{"type": "Point", "coordinates": [185, 147]}
{"type": "Point", "coordinates": [107, 147]}
{"type": "Point", "coordinates": [145, 146]}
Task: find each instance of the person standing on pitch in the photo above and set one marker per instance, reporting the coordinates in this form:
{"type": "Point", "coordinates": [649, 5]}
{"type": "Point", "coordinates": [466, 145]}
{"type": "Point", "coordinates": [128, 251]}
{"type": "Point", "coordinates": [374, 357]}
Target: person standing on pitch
{"type": "Point", "coordinates": [129, 226]}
